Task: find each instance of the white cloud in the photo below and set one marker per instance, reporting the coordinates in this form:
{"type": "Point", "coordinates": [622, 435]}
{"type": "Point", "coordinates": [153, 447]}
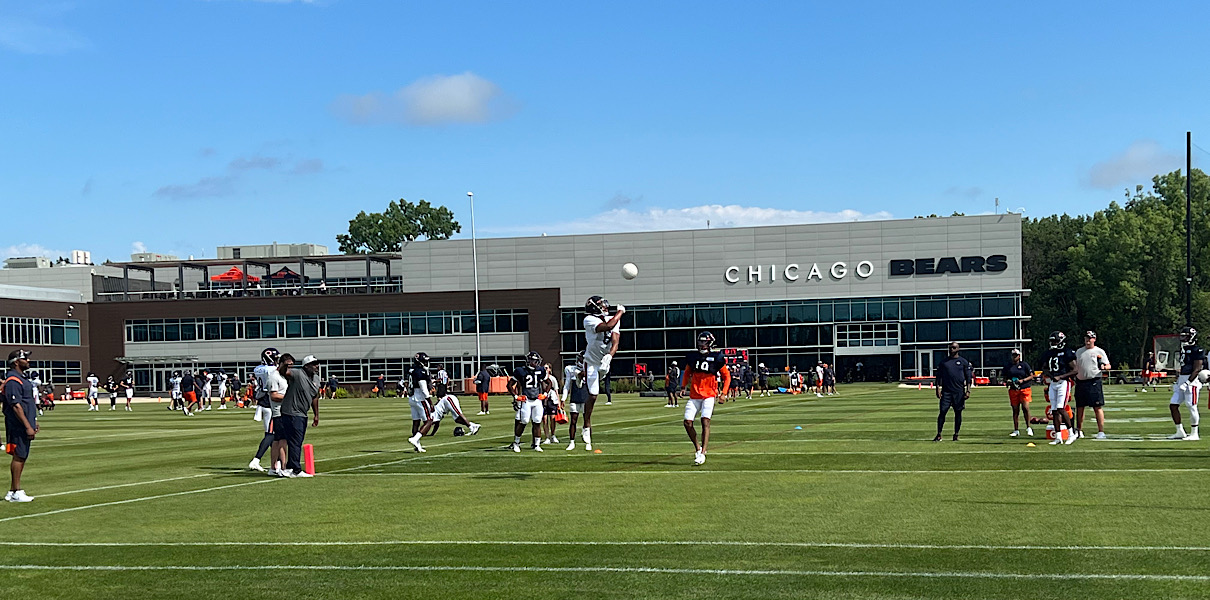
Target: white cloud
{"type": "Point", "coordinates": [206, 187]}
{"type": "Point", "coordinates": [308, 166]}
{"type": "Point", "coordinates": [1140, 162]}
{"type": "Point", "coordinates": [24, 250]}
{"type": "Point", "coordinates": [435, 100]}
{"type": "Point", "coordinates": [138, 248]}
{"type": "Point", "coordinates": [694, 217]}
{"type": "Point", "coordinates": [254, 162]}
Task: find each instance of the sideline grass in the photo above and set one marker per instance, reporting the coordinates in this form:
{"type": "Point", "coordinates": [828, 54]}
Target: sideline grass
{"type": "Point", "coordinates": [856, 504]}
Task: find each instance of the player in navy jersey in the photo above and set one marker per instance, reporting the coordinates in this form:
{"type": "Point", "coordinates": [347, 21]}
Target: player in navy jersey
{"type": "Point", "coordinates": [1058, 367]}
{"type": "Point", "coordinates": [704, 369]}
{"type": "Point", "coordinates": [529, 386]}
{"type": "Point", "coordinates": [418, 401]}
{"type": "Point", "coordinates": [1188, 385]}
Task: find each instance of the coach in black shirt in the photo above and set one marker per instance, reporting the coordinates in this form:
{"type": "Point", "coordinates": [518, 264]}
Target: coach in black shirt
{"type": "Point", "coordinates": [954, 377]}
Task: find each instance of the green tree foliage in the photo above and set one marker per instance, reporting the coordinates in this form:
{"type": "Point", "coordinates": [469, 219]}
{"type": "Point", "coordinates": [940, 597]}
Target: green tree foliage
{"type": "Point", "coordinates": [1120, 272]}
{"type": "Point", "coordinates": [401, 222]}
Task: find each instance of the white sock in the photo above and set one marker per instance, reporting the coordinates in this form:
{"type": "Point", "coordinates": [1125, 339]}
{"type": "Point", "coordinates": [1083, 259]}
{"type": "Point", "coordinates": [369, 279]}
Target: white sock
{"type": "Point", "coordinates": [1195, 417]}
{"type": "Point", "coordinates": [517, 439]}
{"type": "Point", "coordinates": [586, 435]}
{"type": "Point", "coordinates": [1180, 429]}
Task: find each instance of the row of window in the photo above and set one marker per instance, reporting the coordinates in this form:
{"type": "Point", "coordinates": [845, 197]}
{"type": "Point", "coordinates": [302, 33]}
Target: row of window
{"type": "Point", "coordinates": [791, 312]}
{"type": "Point", "coordinates": [319, 326]}
{"type": "Point", "coordinates": [27, 331]}
{"type": "Point", "coordinates": [56, 371]}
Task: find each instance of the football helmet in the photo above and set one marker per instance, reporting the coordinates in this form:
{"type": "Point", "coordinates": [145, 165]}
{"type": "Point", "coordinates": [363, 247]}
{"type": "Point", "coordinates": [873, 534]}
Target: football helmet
{"type": "Point", "coordinates": [1188, 335]}
{"type": "Point", "coordinates": [459, 432]}
{"type": "Point", "coordinates": [705, 342]}
{"type": "Point", "coordinates": [533, 360]}
{"type": "Point", "coordinates": [269, 356]}
{"type": "Point", "coordinates": [580, 360]}
{"type": "Point", "coordinates": [421, 359]}
{"type": "Point", "coordinates": [1057, 339]}
{"type": "Point", "coordinates": [596, 306]}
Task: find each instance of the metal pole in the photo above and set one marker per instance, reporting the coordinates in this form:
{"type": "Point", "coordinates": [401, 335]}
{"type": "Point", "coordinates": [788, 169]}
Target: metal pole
{"type": "Point", "coordinates": [475, 261]}
{"type": "Point", "coordinates": [1188, 228]}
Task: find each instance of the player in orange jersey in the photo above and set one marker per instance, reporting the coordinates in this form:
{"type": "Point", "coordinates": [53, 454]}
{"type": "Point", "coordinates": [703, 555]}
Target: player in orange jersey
{"type": "Point", "coordinates": [702, 369]}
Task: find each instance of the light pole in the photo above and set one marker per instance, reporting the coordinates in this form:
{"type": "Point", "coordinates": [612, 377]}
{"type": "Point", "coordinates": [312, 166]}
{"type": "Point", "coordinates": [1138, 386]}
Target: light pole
{"type": "Point", "coordinates": [475, 261]}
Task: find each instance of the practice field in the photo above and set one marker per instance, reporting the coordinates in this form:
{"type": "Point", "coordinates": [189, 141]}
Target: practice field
{"type": "Point", "coordinates": [858, 503]}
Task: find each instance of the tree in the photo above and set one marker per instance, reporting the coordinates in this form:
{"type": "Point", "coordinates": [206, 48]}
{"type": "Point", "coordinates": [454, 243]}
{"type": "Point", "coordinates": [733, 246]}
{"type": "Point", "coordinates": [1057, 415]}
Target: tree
{"type": "Point", "coordinates": [401, 222]}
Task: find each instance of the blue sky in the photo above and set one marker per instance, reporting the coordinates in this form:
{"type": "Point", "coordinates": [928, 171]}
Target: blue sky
{"type": "Point", "coordinates": [181, 125]}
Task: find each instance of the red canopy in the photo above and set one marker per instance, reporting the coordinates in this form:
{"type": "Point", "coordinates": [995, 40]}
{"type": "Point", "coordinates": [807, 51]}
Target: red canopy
{"type": "Point", "coordinates": [233, 274]}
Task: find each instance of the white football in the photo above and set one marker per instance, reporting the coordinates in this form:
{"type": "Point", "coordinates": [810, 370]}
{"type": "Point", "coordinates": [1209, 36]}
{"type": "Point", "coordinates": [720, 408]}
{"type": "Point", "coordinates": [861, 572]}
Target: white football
{"type": "Point", "coordinates": [630, 271]}
{"type": "Point", "coordinates": [1204, 375]}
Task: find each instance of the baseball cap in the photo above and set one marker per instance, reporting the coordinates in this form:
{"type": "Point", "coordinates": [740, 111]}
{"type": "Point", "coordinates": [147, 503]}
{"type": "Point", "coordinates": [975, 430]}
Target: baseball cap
{"type": "Point", "coordinates": [1090, 334]}
{"type": "Point", "coordinates": [16, 354]}
{"type": "Point", "coordinates": [1015, 352]}
{"type": "Point", "coordinates": [308, 359]}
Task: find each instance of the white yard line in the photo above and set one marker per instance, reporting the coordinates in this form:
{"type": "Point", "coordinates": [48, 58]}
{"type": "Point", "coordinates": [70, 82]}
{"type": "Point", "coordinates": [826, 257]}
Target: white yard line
{"type": "Point", "coordinates": [637, 570]}
{"type": "Point", "coordinates": [623, 543]}
{"type": "Point", "coordinates": [694, 471]}
{"type": "Point", "coordinates": [121, 485]}
{"type": "Point", "coordinates": [118, 502]}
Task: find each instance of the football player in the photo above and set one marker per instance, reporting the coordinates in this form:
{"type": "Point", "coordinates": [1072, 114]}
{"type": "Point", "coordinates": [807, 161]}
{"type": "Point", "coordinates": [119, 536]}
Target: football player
{"type": "Point", "coordinates": [1017, 377]}
{"type": "Point", "coordinates": [418, 402]}
{"type": "Point", "coordinates": [550, 408]}
{"type": "Point", "coordinates": [1059, 366]}
{"type": "Point", "coordinates": [447, 404]}
{"type": "Point", "coordinates": [529, 386]}
{"type": "Point", "coordinates": [703, 369]}
{"type": "Point", "coordinates": [264, 407]}
{"type": "Point", "coordinates": [575, 393]}
{"type": "Point", "coordinates": [602, 333]}
{"type": "Point", "coordinates": [762, 373]}
{"type": "Point", "coordinates": [128, 387]}
{"type": "Point", "coordinates": [93, 382]}
{"type": "Point", "coordinates": [1188, 385]}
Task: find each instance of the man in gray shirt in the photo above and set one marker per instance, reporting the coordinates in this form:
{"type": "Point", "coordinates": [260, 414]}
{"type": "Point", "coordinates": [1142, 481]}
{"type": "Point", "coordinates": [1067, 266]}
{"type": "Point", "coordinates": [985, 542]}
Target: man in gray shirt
{"type": "Point", "coordinates": [302, 394]}
{"type": "Point", "coordinates": [1090, 361]}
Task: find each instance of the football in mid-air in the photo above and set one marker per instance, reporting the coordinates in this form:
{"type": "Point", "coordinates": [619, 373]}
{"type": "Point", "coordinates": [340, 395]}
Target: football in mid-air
{"type": "Point", "coordinates": [630, 271]}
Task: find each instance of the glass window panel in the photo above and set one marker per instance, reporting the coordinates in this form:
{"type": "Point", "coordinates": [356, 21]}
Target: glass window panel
{"type": "Point", "coordinates": [803, 313]}
{"type": "Point", "coordinates": [907, 309]}
{"type": "Point", "coordinates": [825, 312]}
{"type": "Point", "coordinates": [840, 313]}
{"type": "Point", "coordinates": [709, 317]}
{"type": "Point", "coordinates": [998, 330]}
{"type": "Point", "coordinates": [569, 321]}
{"type": "Point", "coordinates": [771, 336]}
{"type": "Point", "coordinates": [648, 319]}
{"type": "Point", "coordinates": [155, 332]}
{"type": "Point", "coordinates": [140, 334]}
{"type": "Point", "coordinates": [741, 315]}
{"type": "Point", "coordinates": [964, 330]}
{"type": "Point", "coordinates": [890, 310]}
{"type": "Point", "coordinates": [468, 323]}
{"type": "Point", "coordinates": [740, 337]}
{"type": "Point", "coordinates": [825, 335]}
{"type": "Point", "coordinates": [930, 309]}
{"type": "Point", "coordinates": [679, 317]}
{"type": "Point", "coordinates": [873, 310]}
{"type": "Point", "coordinates": [504, 323]}
{"type": "Point", "coordinates": [172, 332]}
{"type": "Point", "coordinates": [803, 335]}
{"type": "Point", "coordinates": [419, 325]}
{"type": "Point", "coordinates": [227, 330]}
{"type": "Point", "coordinates": [964, 308]}
{"type": "Point", "coordinates": [310, 328]}
{"type": "Point", "coordinates": [378, 326]}
{"type": "Point", "coordinates": [188, 330]}
{"type": "Point", "coordinates": [569, 342]}
{"type": "Point", "coordinates": [627, 343]}
{"type": "Point", "coordinates": [909, 332]}
{"type": "Point", "coordinates": [521, 322]}
{"type": "Point", "coordinates": [71, 337]}
{"type": "Point", "coordinates": [486, 322]}
{"type": "Point", "coordinates": [678, 339]}
{"type": "Point", "coordinates": [931, 332]}
{"type": "Point", "coordinates": [394, 325]}
{"type": "Point", "coordinates": [771, 315]}
{"type": "Point", "coordinates": [998, 307]}
{"type": "Point", "coordinates": [649, 340]}
{"type": "Point", "coordinates": [293, 328]}
{"type": "Point", "coordinates": [995, 357]}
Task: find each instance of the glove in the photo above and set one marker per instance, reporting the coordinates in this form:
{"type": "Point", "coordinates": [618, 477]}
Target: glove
{"type": "Point", "coordinates": [605, 362]}
{"type": "Point", "coordinates": [620, 308]}
{"type": "Point", "coordinates": [517, 402]}
{"type": "Point", "coordinates": [1184, 386]}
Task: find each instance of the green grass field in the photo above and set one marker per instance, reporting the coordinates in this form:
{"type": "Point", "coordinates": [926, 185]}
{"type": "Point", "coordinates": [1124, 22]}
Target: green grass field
{"type": "Point", "coordinates": [856, 504]}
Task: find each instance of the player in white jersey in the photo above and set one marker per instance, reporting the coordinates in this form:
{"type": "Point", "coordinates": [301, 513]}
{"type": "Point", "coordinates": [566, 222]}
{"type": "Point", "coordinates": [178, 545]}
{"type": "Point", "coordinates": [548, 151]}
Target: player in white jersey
{"type": "Point", "coordinates": [93, 383]}
{"type": "Point", "coordinates": [128, 386]}
{"type": "Point", "coordinates": [550, 408]}
{"type": "Point", "coordinates": [602, 332]}
{"type": "Point", "coordinates": [447, 404]}
{"type": "Point", "coordinates": [1188, 386]}
{"type": "Point", "coordinates": [575, 394]}
{"type": "Point", "coordinates": [222, 390]}
{"type": "Point", "coordinates": [264, 409]}
{"type": "Point", "coordinates": [175, 382]}
{"type": "Point", "coordinates": [205, 378]}
{"type": "Point", "coordinates": [819, 379]}
{"type": "Point", "coordinates": [36, 379]}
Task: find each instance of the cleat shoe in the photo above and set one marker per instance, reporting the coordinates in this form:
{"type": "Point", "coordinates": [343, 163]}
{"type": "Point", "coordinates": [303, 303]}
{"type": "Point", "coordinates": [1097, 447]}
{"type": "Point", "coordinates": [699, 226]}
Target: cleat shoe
{"type": "Point", "coordinates": [588, 447]}
{"type": "Point", "coordinates": [474, 428]}
{"type": "Point", "coordinates": [303, 474]}
{"type": "Point", "coordinates": [514, 447]}
{"type": "Point", "coordinates": [1180, 435]}
{"type": "Point", "coordinates": [699, 458]}
{"type": "Point", "coordinates": [554, 439]}
{"type": "Point", "coordinates": [415, 442]}
{"type": "Point", "coordinates": [608, 402]}
{"type": "Point", "coordinates": [1056, 442]}
{"type": "Point", "coordinates": [254, 465]}
{"type": "Point", "coordinates": [537, 448]}
{"type": "Point", "coordinates": [222, 408]}
{"type": "Point", "coordinates": [1015, 433]}
{"type": "Point", "coordinates": [1071, 439]}
{"type": "Point", "coordinates": [482, 413]}
{"type": "Point", "coordinates": [572, 445]}
{"type": "Point", "coordinates": [8, 497]}
{"type": "Point", "coordinates": [1101, 435]}
{"type": "Point", "coordinates": [287, 473]}
{"type": "Point", "coordinates": [1193, 437]}
{"type": "Point", "coordinates": [19, 496]}
{"type": "Point", "coordinates": [1081, 434]}
{"type": "Point", "coordinates": [937, 439]}
{"type": "Point", "coordinates": [1029, 431]}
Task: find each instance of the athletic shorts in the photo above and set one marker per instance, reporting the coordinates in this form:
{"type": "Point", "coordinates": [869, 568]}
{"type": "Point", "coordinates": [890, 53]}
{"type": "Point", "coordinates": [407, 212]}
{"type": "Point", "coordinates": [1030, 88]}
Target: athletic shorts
{"type": "Point", "coordinates": [275, 427]}
{"type": "Point", "coordinates": [1188, 397]}
{"type": "Point", "coordinates": [593, 376]}
{"type": "Point", "coordinates": [446, 407]}
{"type": "Point", "coordinates": [575, 407]}
{"type": "Point", "coordinates": [530, 412]}
{"type": "Point", "coordinates": [1090, 393]}
{"type": "Point", "coordinates": [17, 442]}
{"type": "Point", "coordinates": [264, 414]}
{"type": "Point", "coordinates": [952, 400]}
{"type": "Point", "coordinates": [1019, 397]}
{"type": "Point", "coordinates": [550, 407]}
{"type": "Point", "coordinates": [421, 411]}
{"type": "Point", "coordinates": [703, 405]}
{"type": "Point", "coordinates": [190, 397]}
{"type": "Point", "coordinates": [483, 396]}
{"type": "Point", "coordinates": [1057, 393]}
{"type": "Point", "coordinates": [129, 393]}
{"type": "Point", "coordinates": [275, 408]}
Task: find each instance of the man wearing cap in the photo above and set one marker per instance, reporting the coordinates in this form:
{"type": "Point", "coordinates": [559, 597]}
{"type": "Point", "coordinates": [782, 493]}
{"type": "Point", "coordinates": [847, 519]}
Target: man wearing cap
{"type": "Point", "coordinates": [302, 394]}
{"type": "Point", "coordinates": [954, 377]}
{"type": "Point", "coordinates": [1090, 361]}
{"type": "Point", "coordinates": [20, 420]}
{"type": "Point", "coordinates": [1017, 376]}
